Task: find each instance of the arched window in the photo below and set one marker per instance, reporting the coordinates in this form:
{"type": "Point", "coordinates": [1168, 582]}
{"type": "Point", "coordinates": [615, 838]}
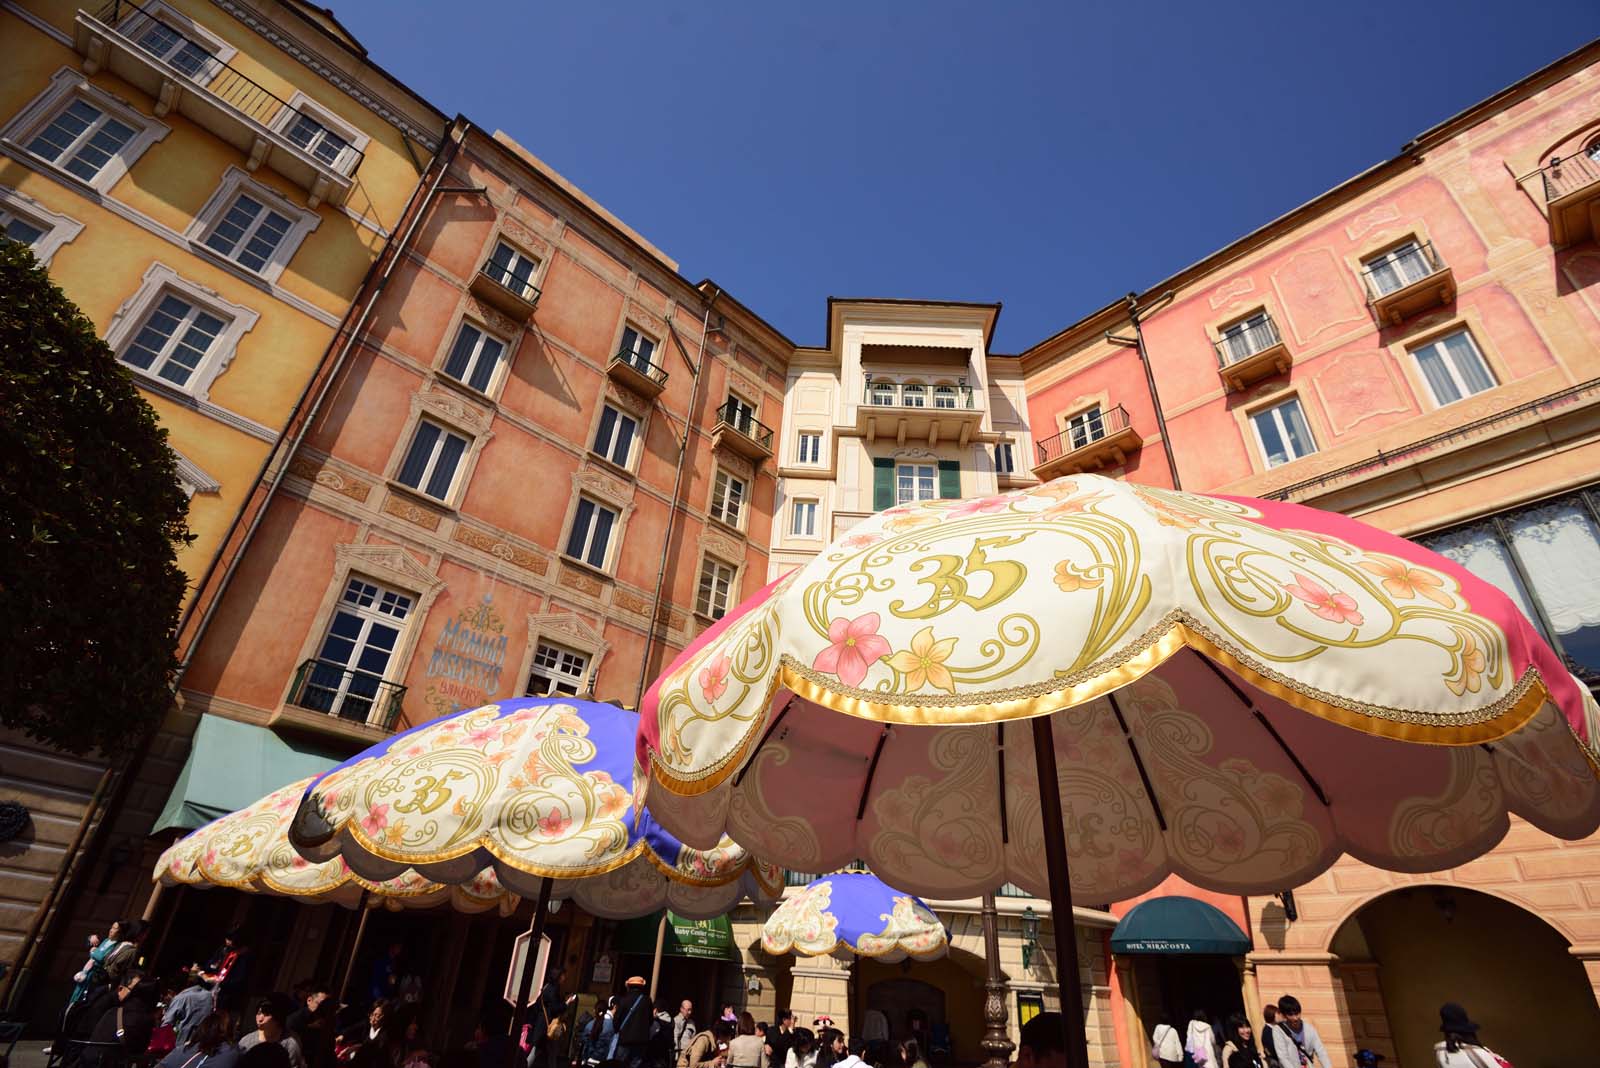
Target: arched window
{"type": "Point", "coordinates": [883, 394]}
{"type": "Point", "coordinates": [913, 395]}
{"type": "Point", "coordinates": [944, 396]}
{"type": "Point", "coordinates": [1593, 151]}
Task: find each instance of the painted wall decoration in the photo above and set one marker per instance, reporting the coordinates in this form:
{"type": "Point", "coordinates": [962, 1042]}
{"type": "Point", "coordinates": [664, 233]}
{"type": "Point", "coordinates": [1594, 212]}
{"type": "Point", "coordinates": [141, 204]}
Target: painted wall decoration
{"type": "Point", "coordinates": [465, 667]}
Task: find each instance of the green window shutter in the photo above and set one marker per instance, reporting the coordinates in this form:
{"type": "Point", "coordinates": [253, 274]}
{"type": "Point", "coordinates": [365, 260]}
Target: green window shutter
{"type": "Point", "coordinates": [949, 478]}
{"type": "Point", "coordinates": [882, 484]}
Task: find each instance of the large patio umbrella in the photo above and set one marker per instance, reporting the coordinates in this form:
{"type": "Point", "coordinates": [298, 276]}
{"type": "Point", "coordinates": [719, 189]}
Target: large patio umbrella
{"type": "Point", "coordinates": [537, 790]}
{"type": "Point", "coordinates": [1145, 682]}
{"type": "Point", "coordinates": [855, 914]}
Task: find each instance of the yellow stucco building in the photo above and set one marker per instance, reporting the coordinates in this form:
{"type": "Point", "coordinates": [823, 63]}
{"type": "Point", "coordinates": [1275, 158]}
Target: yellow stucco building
{"type": "Point", "coordinates": [210, 182]}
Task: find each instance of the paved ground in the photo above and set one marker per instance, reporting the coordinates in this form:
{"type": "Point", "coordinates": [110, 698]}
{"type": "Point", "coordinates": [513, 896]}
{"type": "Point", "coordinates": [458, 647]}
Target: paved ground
{"type": "Point", "coordinates": [29, 1054]}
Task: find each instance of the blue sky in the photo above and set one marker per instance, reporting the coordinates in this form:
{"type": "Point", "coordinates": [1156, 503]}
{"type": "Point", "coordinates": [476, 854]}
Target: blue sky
{"type": "Point", "coordinates": [1050, 156]}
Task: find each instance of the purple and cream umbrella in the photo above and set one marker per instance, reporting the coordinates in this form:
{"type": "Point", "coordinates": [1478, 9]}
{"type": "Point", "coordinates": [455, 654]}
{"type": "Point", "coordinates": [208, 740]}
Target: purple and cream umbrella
{"type": "Point", "coordinates": [1087, 686]}
{"type": "Point", "coordinates": [855, 914]}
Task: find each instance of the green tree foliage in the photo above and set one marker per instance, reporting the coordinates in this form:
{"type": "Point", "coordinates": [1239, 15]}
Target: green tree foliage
{"type": "Point", "coordinates": [91, 515]}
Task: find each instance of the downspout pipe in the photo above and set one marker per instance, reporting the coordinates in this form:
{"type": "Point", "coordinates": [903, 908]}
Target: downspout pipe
{"type": "Point", "coordinates": [1136, 314]}
{"type": "Point", "coordinates": [697, 369]}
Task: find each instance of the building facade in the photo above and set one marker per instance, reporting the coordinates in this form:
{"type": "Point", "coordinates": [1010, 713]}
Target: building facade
{"type": "Point", "coordinates": [210, 183]}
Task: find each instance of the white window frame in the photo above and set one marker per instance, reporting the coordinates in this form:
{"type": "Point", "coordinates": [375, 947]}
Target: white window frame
{"type": "Point", "coordinates": [344, 164]}
{"type": "Point", "coordinates": [814, 459]}
{"type": "Point", "coordinates": [1448, 359]}
{"type": "Point", "coordinates": [160, 280]}
{"type": "Point", "coordinates": [727, 506]}
{"type": "Point", "coordinates": [913, 395]}
{"type": "Point", "coordinates": [883, 393]}
{"type": "Point", "coordinates": [555, 674]}
{"type": "Point", "coordinates": [484, 335]}
{"type": "Point", "coordinates": [494, 270]}
{"type": "Point", "coordinates": [1243, 331]}
{"type": "Point", "coordinates": [1274, 411]}
{"type": "Point", "coordinates": [1411, 246]}
{"type": "Point", "coordinates": [944, 392]}
{"type": "Point", "coordinates": [607, 453]}
{"type": "Point", "coordinates": [706, 599]}
{"type": "Point", "coordinates": [635, 356]}
{"type": "Point", "coordinates": [384, 594]}
{"type": "Point", "coordinates": [916, 470]}
{"type": "Point", "coordinates": [66, 85]}
{"type": "Point", "coordinates": [803, 517]}
{"type": "Point", "coordinates": [235, 181]}
{"type": "Point", "coordinates": [57, 229]}
{"type": "Point", "coordinates": [613, 535]}
{"type": "Point", "coordinates": [429, 469]}
{"type": "Point", "coordinates": [1005, 458]}
{"type": "Point", "coordinates": [221, 51]}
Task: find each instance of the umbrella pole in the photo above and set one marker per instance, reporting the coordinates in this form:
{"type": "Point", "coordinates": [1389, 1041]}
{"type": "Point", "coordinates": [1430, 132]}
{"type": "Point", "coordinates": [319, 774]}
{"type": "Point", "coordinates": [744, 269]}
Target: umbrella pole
{"type": "Point", "coordinates": [1055, 855]}
{"type": "Point", "coordinates": [541, 912]}
{"type": "Point", "coordinates": [355, 949]}
{"type": "Point", "coordinates": [655, 963]}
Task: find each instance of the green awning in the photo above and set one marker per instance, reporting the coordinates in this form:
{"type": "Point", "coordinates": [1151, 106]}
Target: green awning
{"type": "Point", "coordinates": [1178, 925]}
{"type": "Point", "coordinates": [701, 939]}
{"type": "Point", "coordinates": [232, 764]}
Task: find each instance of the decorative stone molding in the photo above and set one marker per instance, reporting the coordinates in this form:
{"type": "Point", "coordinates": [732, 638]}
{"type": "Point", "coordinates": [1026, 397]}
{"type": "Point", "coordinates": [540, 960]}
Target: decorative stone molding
{"type": "Point", "coordinates": [496, 321]}
{"type": "Point", "coordinates": [502, 548]}
{"type": "Point", "coordinates": [737, 465]}
{"type": "Point", "coordinates": [630, 602]}
{"type": "Point", "coordinates": [390, 563]}
{"type": "Point", "coordinates": [327, 475]}
{"type": "Point", "coordinates": [452, 409]}
{"type": "Point", "coordinates": [235, 181]}
{"type": "Point", "coordinates": [398, 504]}
{"type": "Point", "coordinates": [723, 547]}
{"type": "Point", "coordinates": [577, 578]}
{"type": "Point", "coordinates": [158, 280]}
{"type": "Point", "coordinates": [58, 229]}
{"type": "Point", "coordinates": [627, 401]}
{"type": "Point", "coordinates": [611, 490]}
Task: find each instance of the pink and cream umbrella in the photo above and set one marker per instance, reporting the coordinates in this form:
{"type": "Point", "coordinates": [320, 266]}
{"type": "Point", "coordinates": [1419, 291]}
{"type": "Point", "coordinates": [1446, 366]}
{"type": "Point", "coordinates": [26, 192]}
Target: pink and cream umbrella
{"type": "Point", "coordinates": [1087, 686]}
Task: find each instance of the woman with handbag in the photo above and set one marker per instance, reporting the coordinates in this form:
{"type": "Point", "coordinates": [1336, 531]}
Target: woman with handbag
{"type": "Point", "coordinates": [1166, 1046]}
{"type": "Point", "coordinates": [1460, 1047]}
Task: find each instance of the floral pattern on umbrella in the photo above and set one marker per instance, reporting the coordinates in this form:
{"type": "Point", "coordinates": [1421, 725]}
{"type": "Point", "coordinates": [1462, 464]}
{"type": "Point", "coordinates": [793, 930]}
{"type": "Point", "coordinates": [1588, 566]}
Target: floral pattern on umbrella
{"type": "Point", "coordinates": [854, 914]}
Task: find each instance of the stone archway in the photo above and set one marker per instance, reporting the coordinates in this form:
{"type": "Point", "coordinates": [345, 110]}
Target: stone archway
{"type": "Point", "coordinates": [1405, 952]}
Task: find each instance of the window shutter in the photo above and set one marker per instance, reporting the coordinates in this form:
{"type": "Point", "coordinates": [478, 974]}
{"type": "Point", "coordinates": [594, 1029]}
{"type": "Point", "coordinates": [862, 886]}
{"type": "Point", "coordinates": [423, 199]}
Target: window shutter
{"type": "Point", "coordinates": [949, 478]}
{"type": "Point", "coordinates": [882, 484]}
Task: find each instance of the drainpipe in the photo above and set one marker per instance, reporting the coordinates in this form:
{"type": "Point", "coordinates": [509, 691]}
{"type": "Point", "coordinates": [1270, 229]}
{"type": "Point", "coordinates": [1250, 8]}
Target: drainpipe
{"type": "Point", "coordinates": [1136, 314]}
{"type": "Point", "coordinates": [65, 893]}
{"type": "Point", "coordinates": [695, 369]}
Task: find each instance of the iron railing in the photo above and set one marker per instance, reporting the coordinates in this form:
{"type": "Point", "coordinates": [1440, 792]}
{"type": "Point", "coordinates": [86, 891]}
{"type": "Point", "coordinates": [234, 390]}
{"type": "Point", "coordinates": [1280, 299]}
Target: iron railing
{"type": "Point", "coordinates": [1104, 422]}
{"type": "Point", "coordinates": [641, 363]}
{"type": "Point", "coordinates": [1236, 345]}
{"type": "Point", "coordinates": [345, 693]}
{"type": "Point", "coordinates": [881, 394]}
{"type": "Point", "coordinates": [1564, 176]}
{"type": "Point", "coordinates": [158, 37]}
{"type": "Point", "coordinates": [506, 279]}
{"type": "Point", "coordinates": [740, 419]}
{"type": "Point", "coordinates": [1390, 274]}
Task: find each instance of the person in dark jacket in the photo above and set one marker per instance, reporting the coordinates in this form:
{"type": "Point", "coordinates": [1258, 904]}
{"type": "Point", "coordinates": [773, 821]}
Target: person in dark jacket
{"type": "Point", "coordinates": [635, 1015]}
{"type": "Point", "coordinates": [127, 1023]}
{"type": "Point", "coordinates": [311, 1023]}
{"type": "Point", "coordinates": [548, 1006]}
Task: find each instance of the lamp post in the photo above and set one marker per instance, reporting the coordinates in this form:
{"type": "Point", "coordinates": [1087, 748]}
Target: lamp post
{"type": "Point", "coordinates": [996, 1043]}
{"type": "Point", "coordinates": [1030, 936]}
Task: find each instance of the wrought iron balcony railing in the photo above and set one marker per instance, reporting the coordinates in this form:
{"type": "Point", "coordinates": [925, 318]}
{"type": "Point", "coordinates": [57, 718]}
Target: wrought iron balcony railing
{"type": "Point", "coordinates": [1564, 177]}
{"type": "Point", "coordinates": [1391, 274]}
{"type": "Point", "coordinates": [740, 419]}
{"type": "Point", "coordinates": [507, 279]}
{"type": "Point", "coordinates": [1104, 422]}
{"type": "Point", "coordinates": [1236, 345]}
{"type": "Point", "coordinates": [642, 364]}
{"type": "Point", "coordinates": [336, 690]}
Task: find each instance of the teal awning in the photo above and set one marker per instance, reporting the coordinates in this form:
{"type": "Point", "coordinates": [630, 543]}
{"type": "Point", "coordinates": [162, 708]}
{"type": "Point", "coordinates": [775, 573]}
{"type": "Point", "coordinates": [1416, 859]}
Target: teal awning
{"type": "Point", "coordinates": [232, 764]}
{"type": "Point", "coordinates": [700, 939]}
{"type": "Point", "coordinates": [1178, 925]}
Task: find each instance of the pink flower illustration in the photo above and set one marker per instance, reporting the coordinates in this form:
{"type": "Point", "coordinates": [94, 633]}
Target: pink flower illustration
{"type": "Point", "coordinates": [482, 736]}
{"type": "Point", "coordinates": [714, 677]}
{"type": "Point", "coordinates": [1334, 607]}
{"type": "Point", "coordinates": [860, 541]}
{"type": "Point", "coordinates": [376, 819]}
{"type": "Point", "coordinates": [980, 506]}
{"type": "Point", "coordinates": [554, 823]}
{"type": "Point", "coordinates": [855, 645]}
{"type": "Point", "coordinates": [299, 863]}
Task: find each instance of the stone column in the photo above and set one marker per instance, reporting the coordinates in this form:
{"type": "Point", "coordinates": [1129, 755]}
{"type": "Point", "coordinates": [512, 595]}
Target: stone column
{"type": "Point", "coordinates": [1251, 993]}
{"type": "Point", "coordinates": [821, 988]}
{"type": "Point", "coordinates": [1314, 979]}
{"type": "Point", "coordinates": [1369, 1017]}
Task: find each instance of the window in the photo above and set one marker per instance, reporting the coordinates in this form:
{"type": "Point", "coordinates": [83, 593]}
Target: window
{"type": "Point", "coordinates": [913, 394]}
{"type": "Point", "coordinates": [1593, 151]}
{"type": "Point", "coordinates": [740, 413]}
{"type": "Point", "coordinates": [1398, 268]}
{"type": "Point", "coordinates": [513, 270]}
{"type": "Point", "coordinates": [165, 43]}
{"type": "Point", "coordinates": [1453, 368]}
{"type": "Point", "coordinates": [25, 220]}
{"type": "Point", "coordinates": [174, 340]}
{"type": "Point", "coordinates": [637, 348]}
{"type": "Point", "coordinates": [810, 448]}
{"type": "Point", "coordinates": [944, 396]}
{"type": "Point", "coordinates": [316, 139]}
{"type": "Point", "coordinates": [249, 233]}
{"type": "Point", "coordinates": [81, 139]}
{"type": "Point", "coordinates": [1248, 336]}
{"type": "Point", "coordinates": [1283, 433]}
{"type": "Point", "coordinates": [613, 438]}
{"type": "Point", "coordinates": [432, 460]}
{"type": "Point", "coordinates": [1086, 426]}
{"type": "Point", "coordinates": [19, 229]}
{"type": "Point", "coordinates": [727, 498]}
{"type": "Point", "coordinates": [716, 584]}
{"type": "Point", "coordinates": [883, 394]}
{"type": "Point", "coordinates": [915, 482]}
{"type": "Point", "coordinates": [1004, 461]}
{"type": "Point", "coordinates": [804, 523]}
{"type": "Point", "coordinates": [350, 668]}
{"type": "Point", "coordinates": [474, 357]}
{"type": "Point", "coordinates": [556, 670]}
{"type": "Point", "coordinates": [591, 532]}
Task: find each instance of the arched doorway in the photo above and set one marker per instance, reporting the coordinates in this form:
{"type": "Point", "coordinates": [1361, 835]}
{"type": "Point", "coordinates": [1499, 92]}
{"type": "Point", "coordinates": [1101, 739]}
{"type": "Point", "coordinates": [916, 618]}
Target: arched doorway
{"type": "Point", "coordinates": [1432, 944]}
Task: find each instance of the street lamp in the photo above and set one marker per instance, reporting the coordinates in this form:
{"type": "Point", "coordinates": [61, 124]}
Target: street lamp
{"type": "Point", "coordinates": [1030, 935]}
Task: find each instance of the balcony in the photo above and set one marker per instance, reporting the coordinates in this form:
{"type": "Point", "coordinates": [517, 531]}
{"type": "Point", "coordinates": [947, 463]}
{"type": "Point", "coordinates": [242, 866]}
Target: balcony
{"type": "Point", "coordinates": [636, 372]}
{"type": "Point", "coordinates": [1246, 356]}
{"type": "Point", "coordinates": [330, 698]}
{"type": "Point", "coordinates": [1105, 440]}
{"type": "Point", "coordinates": [498, 287]}
{"type": "Point", "coordinates": [1572, 198]}
{"type": "Point", "coordinates": [156, 56]}
{"type": "Point", "coordinates": [740, 432]}
{"type": "Point", "coordinates": [911, 411]}
{"type": "Point", "coordinates": [1411, 281]}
